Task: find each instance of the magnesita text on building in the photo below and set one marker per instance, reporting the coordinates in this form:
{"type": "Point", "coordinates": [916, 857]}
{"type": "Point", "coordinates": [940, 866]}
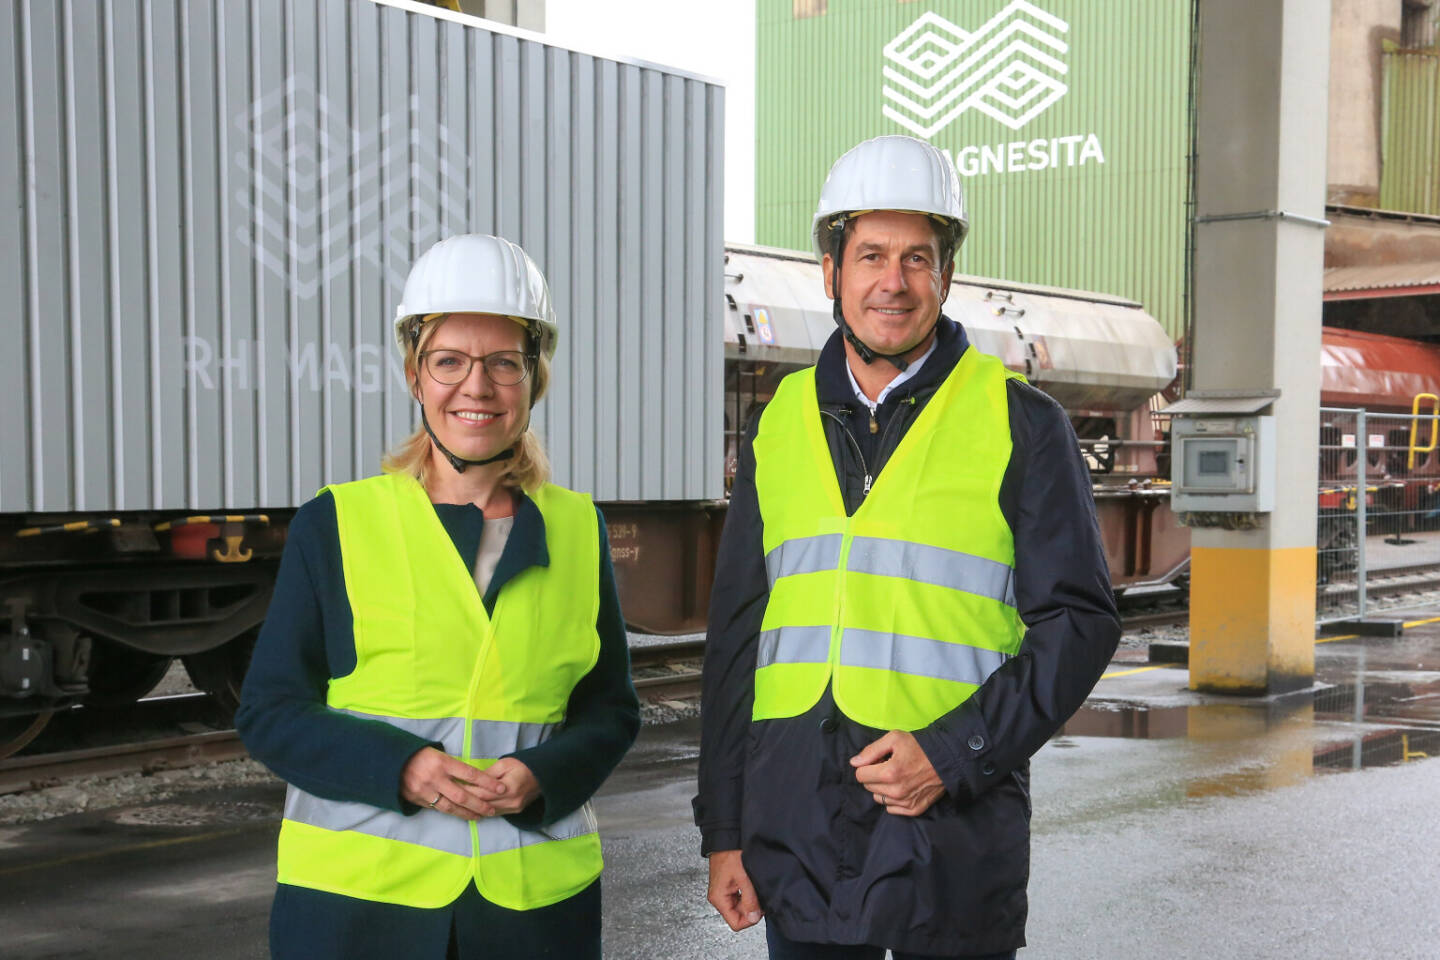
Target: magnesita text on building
{"type": "Point", "coordinates": [1067, 121]}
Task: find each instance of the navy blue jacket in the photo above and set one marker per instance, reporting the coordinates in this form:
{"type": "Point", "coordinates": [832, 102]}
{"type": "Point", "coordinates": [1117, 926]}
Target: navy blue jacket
{"type": "Point", "coordinates": [828, 863]}
{"type": "Point", "coordinates": [308, 638]}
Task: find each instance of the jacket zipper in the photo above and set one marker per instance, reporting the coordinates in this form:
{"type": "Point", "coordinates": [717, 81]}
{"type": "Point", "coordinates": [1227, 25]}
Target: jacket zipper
{"type": "Point", "coordinates": [894, 418]}
{"type": "Point", "coordinates": [858, 455]}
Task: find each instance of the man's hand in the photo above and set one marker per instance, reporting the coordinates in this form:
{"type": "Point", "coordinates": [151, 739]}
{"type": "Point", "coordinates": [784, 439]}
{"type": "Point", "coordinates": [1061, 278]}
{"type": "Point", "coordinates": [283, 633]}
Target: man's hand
{"type": "Point", "coordinates": [899, 775]}
{"type": "Point", "coordinates": [433, 778]}
{"type": "Point", "coordinates": [731, 891]}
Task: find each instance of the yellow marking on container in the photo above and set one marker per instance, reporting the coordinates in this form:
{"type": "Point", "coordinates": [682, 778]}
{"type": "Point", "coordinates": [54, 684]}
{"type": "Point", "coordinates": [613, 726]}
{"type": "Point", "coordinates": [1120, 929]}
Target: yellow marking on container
{"type": "Point", "coordinates": [74, 526]}
{"type": "Point", "coordinates": [213, 518]}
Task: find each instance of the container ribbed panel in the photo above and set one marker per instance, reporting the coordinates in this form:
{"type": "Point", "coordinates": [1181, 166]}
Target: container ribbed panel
{"type": "Point", "coordinates": [213, 204]}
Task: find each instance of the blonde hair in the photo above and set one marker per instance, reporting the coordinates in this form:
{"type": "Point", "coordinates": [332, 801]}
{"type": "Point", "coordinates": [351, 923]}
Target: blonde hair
{"type": "Point", "coordinates": [527, 470]}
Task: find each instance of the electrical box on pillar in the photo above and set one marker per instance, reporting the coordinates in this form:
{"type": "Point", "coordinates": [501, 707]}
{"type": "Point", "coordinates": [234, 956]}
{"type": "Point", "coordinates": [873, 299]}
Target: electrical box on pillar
{"type": "Point", "coordinates": [1223, 469]}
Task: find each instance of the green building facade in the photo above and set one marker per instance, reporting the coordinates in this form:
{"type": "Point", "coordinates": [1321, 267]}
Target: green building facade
{"type": "Point", "coordinates": [1410, 130]}
{"type": "Point", "coordinates": [1067, 120]}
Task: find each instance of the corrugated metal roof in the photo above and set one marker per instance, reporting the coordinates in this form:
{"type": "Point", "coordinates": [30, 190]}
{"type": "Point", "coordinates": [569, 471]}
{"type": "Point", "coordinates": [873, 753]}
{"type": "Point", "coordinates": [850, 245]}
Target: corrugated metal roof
{"type": "Point", "coordinates": [1396, 279]}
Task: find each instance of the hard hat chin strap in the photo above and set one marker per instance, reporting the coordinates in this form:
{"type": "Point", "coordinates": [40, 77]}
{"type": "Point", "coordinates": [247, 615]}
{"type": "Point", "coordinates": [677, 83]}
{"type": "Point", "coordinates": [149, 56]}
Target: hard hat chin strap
{"type": "Point", "coordinates": [458, 462]}
{"type": "Point", "coordinates": [867, 355]}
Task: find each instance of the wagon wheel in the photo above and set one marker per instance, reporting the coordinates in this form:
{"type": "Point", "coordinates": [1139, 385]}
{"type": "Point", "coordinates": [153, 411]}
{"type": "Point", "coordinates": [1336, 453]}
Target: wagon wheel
{"type": "Point", "coordinates": [13, 745]}
{"type": "Point", "coordinates": [221, 672]}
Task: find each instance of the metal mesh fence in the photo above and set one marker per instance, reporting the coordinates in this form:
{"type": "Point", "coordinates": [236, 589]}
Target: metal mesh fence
{"type": "Point", "coordinates": [1378, 515]}
{"type": "Point", "coordinates": [1337, 522]}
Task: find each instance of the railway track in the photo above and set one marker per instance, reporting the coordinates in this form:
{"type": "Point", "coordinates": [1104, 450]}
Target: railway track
{"type": "Point", "coordinates": [1157, 618]}
{"type": "Point", "coordinates": [153, 734]}
{"type": "Point", "coordinates": [32, 772]}
{"type": "Point", "coordinates": [667, 671]}
{"type": "Point", "coordinates": [190, 732]}
{"type": "Point", "coordinates": [662, 671]}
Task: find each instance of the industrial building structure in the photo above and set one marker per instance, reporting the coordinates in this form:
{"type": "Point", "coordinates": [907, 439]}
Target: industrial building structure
{"type": "Point", "coordinates": [1072, 126]}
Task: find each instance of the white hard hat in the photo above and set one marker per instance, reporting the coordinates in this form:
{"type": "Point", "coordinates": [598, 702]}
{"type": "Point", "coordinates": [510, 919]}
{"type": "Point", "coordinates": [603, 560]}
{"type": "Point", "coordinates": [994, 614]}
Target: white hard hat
{"type": "Point", "coordinates": [890, 173]}
{"type": "Point", "coordinates": [476, 273]}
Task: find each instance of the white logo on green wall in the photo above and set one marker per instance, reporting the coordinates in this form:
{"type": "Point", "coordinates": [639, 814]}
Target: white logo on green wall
{"type": "Point", "coordinates": [1009, 69]}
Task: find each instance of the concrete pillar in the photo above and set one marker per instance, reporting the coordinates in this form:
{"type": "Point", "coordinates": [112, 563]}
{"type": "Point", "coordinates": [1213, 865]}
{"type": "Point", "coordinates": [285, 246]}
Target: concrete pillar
{"type": "Point", "coordinates": [1260, 195]}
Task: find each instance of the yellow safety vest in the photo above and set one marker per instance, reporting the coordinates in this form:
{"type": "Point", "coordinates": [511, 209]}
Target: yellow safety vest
{"type": "Point", "coordinates": [907, 606]}
{"type": "Point", "coordinates": [430, 660]}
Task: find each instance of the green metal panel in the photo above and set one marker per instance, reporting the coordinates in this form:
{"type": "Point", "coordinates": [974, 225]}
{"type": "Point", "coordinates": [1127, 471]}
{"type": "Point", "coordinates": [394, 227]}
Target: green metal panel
{"type": "Point", "coordinates": [1410, 131]}
{"type": "Point", "coordinates": [1068, 121]}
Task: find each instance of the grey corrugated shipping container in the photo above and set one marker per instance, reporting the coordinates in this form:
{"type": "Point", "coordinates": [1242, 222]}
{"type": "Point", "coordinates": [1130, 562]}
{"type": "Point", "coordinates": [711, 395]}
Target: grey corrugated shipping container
{"type": "Point", "coordinates": [211, 207]}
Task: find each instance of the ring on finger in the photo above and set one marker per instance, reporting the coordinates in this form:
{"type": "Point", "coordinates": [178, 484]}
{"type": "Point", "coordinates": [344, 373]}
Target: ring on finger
{"type": "Point", "coordinates": [436, 800]}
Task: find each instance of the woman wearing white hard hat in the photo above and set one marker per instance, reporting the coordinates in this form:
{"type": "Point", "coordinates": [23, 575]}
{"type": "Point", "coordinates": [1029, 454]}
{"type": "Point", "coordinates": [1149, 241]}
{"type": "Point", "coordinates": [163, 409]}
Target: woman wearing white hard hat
{"type": "Point", "coordinates": [443, 677]}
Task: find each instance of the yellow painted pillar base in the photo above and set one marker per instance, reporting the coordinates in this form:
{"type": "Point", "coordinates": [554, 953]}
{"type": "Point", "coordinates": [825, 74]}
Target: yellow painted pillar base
{"type": "Point", "coordinates": [1252, 619]}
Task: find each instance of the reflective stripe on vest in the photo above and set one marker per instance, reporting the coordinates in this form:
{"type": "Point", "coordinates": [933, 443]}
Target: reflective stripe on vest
{"type": "Point", "coordinates": [894, 558]}
{"type": "Point", "coordinates": [430, 828]}
{"type": "Point", "coordinates": [908, 605]}
{"type": "Point", "coordinates": [880, 651]}
{"type": "Point", "coordinates": [431, 661]}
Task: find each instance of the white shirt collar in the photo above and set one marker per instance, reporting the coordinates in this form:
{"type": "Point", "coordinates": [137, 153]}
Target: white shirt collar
{"type": "Point", "coordinates": [906, 374]}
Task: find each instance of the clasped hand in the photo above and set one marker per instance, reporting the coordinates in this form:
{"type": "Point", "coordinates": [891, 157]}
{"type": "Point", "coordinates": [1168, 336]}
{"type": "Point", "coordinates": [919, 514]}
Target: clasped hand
{"type": "Point", "coordinates": [898, 774]}
{"type": "Point", "coordinates": [433, 778]}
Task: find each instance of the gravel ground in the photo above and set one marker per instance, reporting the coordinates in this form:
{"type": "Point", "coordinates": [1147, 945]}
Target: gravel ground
{"type": "Point", "coordinates": [102, 793]}
{"type": "Point", "coordinates": [175, 681]}
{"type": "Point", "coordinates": [656, 640]}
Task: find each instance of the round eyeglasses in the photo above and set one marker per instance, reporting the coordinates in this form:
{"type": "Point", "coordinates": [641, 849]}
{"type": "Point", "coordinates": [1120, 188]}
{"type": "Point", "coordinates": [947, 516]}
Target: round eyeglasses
{"type": "Point", "coordinates": [505, 368]}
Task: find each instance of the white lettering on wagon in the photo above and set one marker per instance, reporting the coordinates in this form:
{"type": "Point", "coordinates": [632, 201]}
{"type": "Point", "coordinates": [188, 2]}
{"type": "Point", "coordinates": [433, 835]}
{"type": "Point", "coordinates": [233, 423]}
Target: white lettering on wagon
{"type": "Point", "coordinates": [233, 366]}
{"type": "Point", "coordinates": [319, 200]}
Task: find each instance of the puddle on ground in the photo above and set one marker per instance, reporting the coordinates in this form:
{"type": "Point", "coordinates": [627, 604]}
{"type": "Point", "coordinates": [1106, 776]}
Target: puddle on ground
{"type": "Point", "coordinates": [1380, 720]}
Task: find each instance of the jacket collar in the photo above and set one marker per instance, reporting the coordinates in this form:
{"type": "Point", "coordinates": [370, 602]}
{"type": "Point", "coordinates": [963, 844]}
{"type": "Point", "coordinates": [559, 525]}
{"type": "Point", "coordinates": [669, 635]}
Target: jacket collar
{"type": "Point", "coordinates": [832, 385]}
{"type": "Point", "coordinates": [525, 547]}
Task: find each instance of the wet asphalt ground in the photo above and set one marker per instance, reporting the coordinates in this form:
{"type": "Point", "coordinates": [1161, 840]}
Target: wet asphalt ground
{"type": "Point", "coordinates": [1167, 825]}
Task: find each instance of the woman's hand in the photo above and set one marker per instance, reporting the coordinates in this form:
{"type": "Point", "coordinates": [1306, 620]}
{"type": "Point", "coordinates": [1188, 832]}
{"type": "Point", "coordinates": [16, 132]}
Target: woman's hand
{"type": "Point", "coordinates": [432, 778]}
{"type": "Point", "coordinates": [521, 787]}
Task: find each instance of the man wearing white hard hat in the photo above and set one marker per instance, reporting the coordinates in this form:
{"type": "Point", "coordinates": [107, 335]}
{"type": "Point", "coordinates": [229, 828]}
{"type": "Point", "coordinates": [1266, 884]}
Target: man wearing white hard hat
{"type": "Point", "coordinates": [443, 676]}
{"type": "Point", "coordinates": [912, 597]}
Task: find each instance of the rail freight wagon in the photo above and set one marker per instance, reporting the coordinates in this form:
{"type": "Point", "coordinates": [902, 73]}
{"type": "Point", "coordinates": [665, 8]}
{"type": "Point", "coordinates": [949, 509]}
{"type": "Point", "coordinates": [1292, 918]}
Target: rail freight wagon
{"type": "Point", "coordinates": [1101, 357]}
{"type": "Point", "coordinates": [208, 216]}
{"type": "Point", "coordinates": [1110, 364]}
{"type": "Point", "coordinates": [1397, 382]}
